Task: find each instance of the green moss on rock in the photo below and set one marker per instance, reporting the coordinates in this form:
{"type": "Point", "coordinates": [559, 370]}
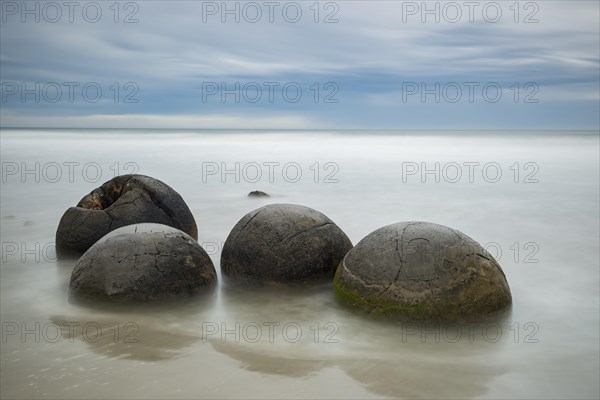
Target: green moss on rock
{"type": "Point", "coordinates": [379, 277]}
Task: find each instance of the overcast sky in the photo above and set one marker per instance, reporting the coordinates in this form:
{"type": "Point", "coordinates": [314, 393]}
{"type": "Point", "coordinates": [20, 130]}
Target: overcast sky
{"type": "Point", "coordinates": [342, 64]}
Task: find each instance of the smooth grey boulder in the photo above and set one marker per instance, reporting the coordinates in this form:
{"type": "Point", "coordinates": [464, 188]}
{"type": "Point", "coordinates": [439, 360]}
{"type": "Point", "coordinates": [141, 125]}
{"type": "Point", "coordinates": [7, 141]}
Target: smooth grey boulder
{"type": "Point", "coordinates": [122, 201]}
{"type": "Point", "coordinates": [284, 244]}
{"type": "Point", "coordinates": [142, 262]}
{"type": "Point", "coordinates": [422, 271]}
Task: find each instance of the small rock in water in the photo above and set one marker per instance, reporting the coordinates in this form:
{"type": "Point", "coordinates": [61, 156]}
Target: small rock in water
{"type": "Point", "coordinates": [258, 193]}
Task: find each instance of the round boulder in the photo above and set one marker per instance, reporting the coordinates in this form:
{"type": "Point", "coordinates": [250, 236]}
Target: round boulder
{"type": "Point", "coordinates": [142, 262]}
{"type": "Point", "coordinates": [122, 201]}
{"type": "Point", "coordinates": [422, 271]}
{"type": "Point", "coordinates": [284, 244]}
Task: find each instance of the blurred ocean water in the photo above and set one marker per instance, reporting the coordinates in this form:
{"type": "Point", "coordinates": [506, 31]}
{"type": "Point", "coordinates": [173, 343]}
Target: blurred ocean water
{"type": "Point", "coordinates": [531, 198]}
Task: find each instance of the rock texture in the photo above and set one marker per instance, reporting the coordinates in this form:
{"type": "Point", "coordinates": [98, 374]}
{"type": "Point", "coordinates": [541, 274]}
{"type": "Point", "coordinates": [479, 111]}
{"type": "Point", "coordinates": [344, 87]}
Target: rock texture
{"type": "Point", "coordinates": [420, 270]}
{"type": "Point", "coordinates": [284, 243]}
{"type": "Point", "coordinates": [142, 262]}
{"type": "Point", "coordinates": [124, 200]}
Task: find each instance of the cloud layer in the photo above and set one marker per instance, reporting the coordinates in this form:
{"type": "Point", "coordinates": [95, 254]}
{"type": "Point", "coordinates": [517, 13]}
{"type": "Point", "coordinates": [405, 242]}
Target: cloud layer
{"type": "Point", "coordinates": [344, 64]}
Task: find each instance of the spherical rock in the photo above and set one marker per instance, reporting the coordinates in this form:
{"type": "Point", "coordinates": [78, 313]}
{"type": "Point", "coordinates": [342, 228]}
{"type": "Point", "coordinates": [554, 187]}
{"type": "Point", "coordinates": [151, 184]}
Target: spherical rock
{"type": "Point", "coordinates": [422, 271]}
{"type": "Point", "coordinates": [284, 244]}
{"type": "Point", "coordinates": [122, 201]}
{"type": "Point", "coordinates": [142, 262]}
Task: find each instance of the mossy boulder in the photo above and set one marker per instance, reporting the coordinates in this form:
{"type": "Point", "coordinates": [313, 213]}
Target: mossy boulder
{"type": "Point", "coordinates": [284, 244]}
{"type": "Point", "coordinates": [422, 271]}
{"type": "Point", "coordinates": [122, 201]}
{"type": "Point", "coordinates": [142, 262]}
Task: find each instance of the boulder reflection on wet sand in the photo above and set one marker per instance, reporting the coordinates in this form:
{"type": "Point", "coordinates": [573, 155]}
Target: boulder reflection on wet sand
{"type": "Point", "coordinates": [398, 373]}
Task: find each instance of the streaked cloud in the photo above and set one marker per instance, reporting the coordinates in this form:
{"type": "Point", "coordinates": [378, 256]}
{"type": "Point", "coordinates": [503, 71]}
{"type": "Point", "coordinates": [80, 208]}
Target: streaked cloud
{"type": "Point", "coordinates": [154, 121]}
{"type": "Point", "coordinates": [369, 54]}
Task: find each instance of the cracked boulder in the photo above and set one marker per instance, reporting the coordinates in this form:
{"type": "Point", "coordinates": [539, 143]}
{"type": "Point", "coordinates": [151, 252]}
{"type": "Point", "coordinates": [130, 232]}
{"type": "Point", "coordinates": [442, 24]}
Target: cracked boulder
{"type": "Point", "coordinates": [122, 201]}
{"type": "Point", "coordinates": [422, 271]}
{"type": "Point", "coordinates": [284, 244]}
{"type": "Point", "coordinates": [142, 262]}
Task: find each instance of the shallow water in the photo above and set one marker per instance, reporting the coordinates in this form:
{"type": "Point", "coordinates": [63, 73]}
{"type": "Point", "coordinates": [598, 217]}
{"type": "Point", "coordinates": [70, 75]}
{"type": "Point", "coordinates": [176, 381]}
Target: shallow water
{"type": "Point", "coordinates": [301, 343]}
